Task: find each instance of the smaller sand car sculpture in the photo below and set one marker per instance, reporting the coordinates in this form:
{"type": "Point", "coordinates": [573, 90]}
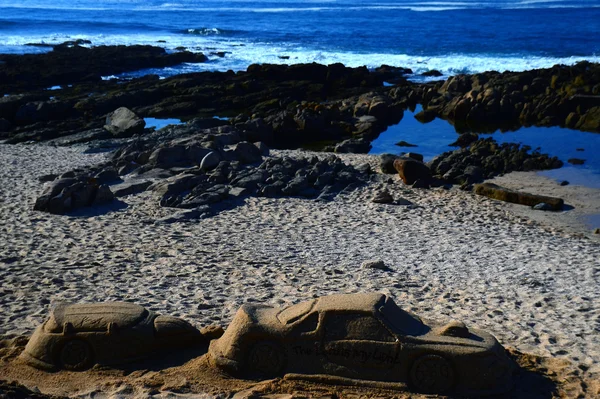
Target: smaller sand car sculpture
{"type": "Point", "coordinates": [366, 337]}
{"type": "Point", "coordinates": [75, 337]}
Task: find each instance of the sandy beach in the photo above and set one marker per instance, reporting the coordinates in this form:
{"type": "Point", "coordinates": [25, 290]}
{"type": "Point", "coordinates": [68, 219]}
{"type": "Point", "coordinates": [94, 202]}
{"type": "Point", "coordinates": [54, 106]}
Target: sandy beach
{"type": "Point", "coordinates": [529, 277]}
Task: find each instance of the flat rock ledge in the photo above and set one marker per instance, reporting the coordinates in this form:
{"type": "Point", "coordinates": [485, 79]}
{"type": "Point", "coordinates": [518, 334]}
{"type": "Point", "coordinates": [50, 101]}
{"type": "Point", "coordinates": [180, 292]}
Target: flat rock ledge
{"type": "Point", "coordinates": [503, 194]}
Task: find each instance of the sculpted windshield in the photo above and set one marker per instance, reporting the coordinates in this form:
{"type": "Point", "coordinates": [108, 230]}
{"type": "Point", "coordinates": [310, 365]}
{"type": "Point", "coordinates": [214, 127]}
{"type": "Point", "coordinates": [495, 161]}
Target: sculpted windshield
{"type": "Point", "coordinates": [401, 321]}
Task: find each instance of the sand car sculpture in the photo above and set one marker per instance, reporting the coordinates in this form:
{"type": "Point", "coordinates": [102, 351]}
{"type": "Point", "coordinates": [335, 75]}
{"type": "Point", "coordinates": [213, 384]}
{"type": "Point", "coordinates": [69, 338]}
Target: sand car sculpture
{"type": "Point", "coordinates": [366, 337]}
{"type": "Point", "coordinates": [75, 337]}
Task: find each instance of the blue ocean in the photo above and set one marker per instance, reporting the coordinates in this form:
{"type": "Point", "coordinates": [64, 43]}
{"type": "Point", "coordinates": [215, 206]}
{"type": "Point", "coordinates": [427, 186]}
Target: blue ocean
{"type": "Point", "coordinates": [452, 36]}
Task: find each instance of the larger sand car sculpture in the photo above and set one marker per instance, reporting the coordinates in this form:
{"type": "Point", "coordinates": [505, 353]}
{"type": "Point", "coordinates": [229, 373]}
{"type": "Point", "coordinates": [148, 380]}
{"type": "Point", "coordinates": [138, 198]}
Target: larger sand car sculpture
{"type": "Point", "coordinates": [366, 337]}
{"type": "Point", "coordinates": [75, 337]}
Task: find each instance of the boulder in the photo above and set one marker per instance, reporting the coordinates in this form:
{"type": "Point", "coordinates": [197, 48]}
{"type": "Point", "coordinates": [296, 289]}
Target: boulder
{"type": "Point", "coordinates": [167, 157]}
{"type": "Point", "coordinates": [262, 147]}
{"type": "Point", "coordinates": [124, 123]}
{"type": "Point", "coordinates": [247, 153]}
{"type": "Point", "coordinates": [411, 170]}
{"type": "Point", "coordinates": [503, 194]}
{"type": "Point", "coordinates": [210, 161]}
{"type": "Point", "coordinates": [432, 72]}
{"type": "Point", "coordinates": [386, 162]}
{"type": "Point", "coordinates": [414, 155]}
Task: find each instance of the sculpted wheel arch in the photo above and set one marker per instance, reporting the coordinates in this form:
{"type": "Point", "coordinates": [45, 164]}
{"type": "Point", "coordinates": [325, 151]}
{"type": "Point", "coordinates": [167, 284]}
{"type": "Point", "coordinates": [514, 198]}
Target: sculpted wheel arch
{"type": "Point", "coordinates": [432, 374]}
{"type": "Point", "coordinates": [75, 354]}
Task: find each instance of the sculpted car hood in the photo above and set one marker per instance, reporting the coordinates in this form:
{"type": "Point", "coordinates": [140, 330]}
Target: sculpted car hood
{"type": "Point", "coordinates": [97, 316]}
{"type": "Point", "coordinates": [264, 318]}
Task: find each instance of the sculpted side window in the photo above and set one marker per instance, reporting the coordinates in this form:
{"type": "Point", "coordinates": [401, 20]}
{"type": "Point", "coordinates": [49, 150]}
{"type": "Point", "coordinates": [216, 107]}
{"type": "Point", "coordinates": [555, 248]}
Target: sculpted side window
{"type": "Point", "coordinates": [359, 327]}
{"type": "Point", "coordinates": [308, 325]}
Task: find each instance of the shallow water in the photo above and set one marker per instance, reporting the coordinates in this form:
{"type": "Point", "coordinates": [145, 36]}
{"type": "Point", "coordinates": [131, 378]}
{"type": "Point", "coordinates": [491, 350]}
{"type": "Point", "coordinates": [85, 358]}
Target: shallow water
{"type": "Point", "coordinates": [434, 138]}
{"type": "Point", "coordinates": [159, 123]}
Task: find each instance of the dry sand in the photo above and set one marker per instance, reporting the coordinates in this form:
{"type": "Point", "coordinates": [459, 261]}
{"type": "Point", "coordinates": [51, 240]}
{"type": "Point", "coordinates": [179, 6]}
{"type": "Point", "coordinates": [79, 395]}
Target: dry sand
{"type": "Point", "coordinates": [532, 283]}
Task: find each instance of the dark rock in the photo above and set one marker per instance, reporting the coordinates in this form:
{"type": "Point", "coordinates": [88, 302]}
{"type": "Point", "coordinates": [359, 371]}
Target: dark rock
{"type": "Point", "coordinates": [432, 72]}
{"type": "Point", "coordinates": [68, 194]}
{"type": "Point", "coordinates": [576, 161]}
{"type": "Point", "coordinates": [247, 153]}
{"type": "Point", "coordinates": [503, 194]}
{"type": "Point", "coordinates": [411, 170]}
{"type": "Point", "coordinates": [425, 116]}
{"type": "Point", "coordinates": [130, 188]}
{"type": "Point", "coordinates": [364, 168]}
{"type": "Point", "coordinates": [262, 147]}
{"type": "Point", "coordinates": [124, 123]}
{"type": "Point", "coordinates": [353, 146]}
{"type": "Point", "coordinates": [108, 175]}
{"type": "Point", "coordinates": [383, 197]}
{"type": "Point", "coordinates": [127, 168]}
{"type": "Point", "coordinates": [374, 264]}
{"type": "Point", "coordinates": [38, 71]}
{"type": "Point", "coordinates": [491, 159]}
{"type": "Point", "coordinates": [414, 155]}
{"type": "Point", "coordinates": [210, 161]}
{"type": "Point", "coordinates": [46, 178]}
{"type": "Point", "coordinates": [564, 183]}
{"type": "Point", "coordinates": [103, 196]}
{"type": "Point", "coordinates": [403, 143]}
{"type": "Point", "coordinates": [296, 185]}
{"type": "Point", "coordinates": [250, 181]}
{"type": "Point", "coordinates": [465, 140]}
{"type": "Point", "coordinates": [170, 156]}
{"type": "Point", "coordinates": [5, 125]}
{"type": "Point", "coordinates": [387, 163]}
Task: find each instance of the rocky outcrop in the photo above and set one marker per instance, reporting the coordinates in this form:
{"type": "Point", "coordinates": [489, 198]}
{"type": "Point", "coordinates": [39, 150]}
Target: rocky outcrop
{"type": "Point", "coordinates": [71, 193]}
{"type": "Point", "coordinates": [193, 170]}
{"type": "Point", "coordinates": [71, 63]}
{"type": "Point", "coordinates": [567, 96]}
{"type": "Point", "coordinates": [503, 194]}
{"type": "Point", "coordinates": [485, 158]}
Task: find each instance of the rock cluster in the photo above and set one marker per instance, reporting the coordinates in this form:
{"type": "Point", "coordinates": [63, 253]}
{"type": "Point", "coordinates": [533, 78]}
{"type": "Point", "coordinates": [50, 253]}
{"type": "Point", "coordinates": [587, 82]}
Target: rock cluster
{"type": "Point", "coordinates": [71, 63]}
{"type": "Point", "coordinates": [77, 189]}
{"type": "Point", "coordinates": [558, 96]}
{"type": "Point", "coordinates": [485, 158]}
{"type": "Point", "coordinates": [194, 170]}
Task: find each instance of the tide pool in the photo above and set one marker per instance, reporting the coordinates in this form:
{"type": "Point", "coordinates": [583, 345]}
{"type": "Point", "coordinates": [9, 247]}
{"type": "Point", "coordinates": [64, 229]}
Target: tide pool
{"type": "Point", "coordinates": [434, 138]}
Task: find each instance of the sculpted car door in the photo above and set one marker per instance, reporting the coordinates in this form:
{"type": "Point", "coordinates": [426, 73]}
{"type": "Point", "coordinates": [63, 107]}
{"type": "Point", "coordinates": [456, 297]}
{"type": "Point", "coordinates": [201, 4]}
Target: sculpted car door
{"type": "Point", "coordinates": [359, 343]}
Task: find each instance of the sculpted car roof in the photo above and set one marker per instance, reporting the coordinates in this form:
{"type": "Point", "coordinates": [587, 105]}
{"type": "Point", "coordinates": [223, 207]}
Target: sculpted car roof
{"type": "Point", "coordinates": [368, 302]}
{"type": "Point", "coordinates": [96, 316]}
